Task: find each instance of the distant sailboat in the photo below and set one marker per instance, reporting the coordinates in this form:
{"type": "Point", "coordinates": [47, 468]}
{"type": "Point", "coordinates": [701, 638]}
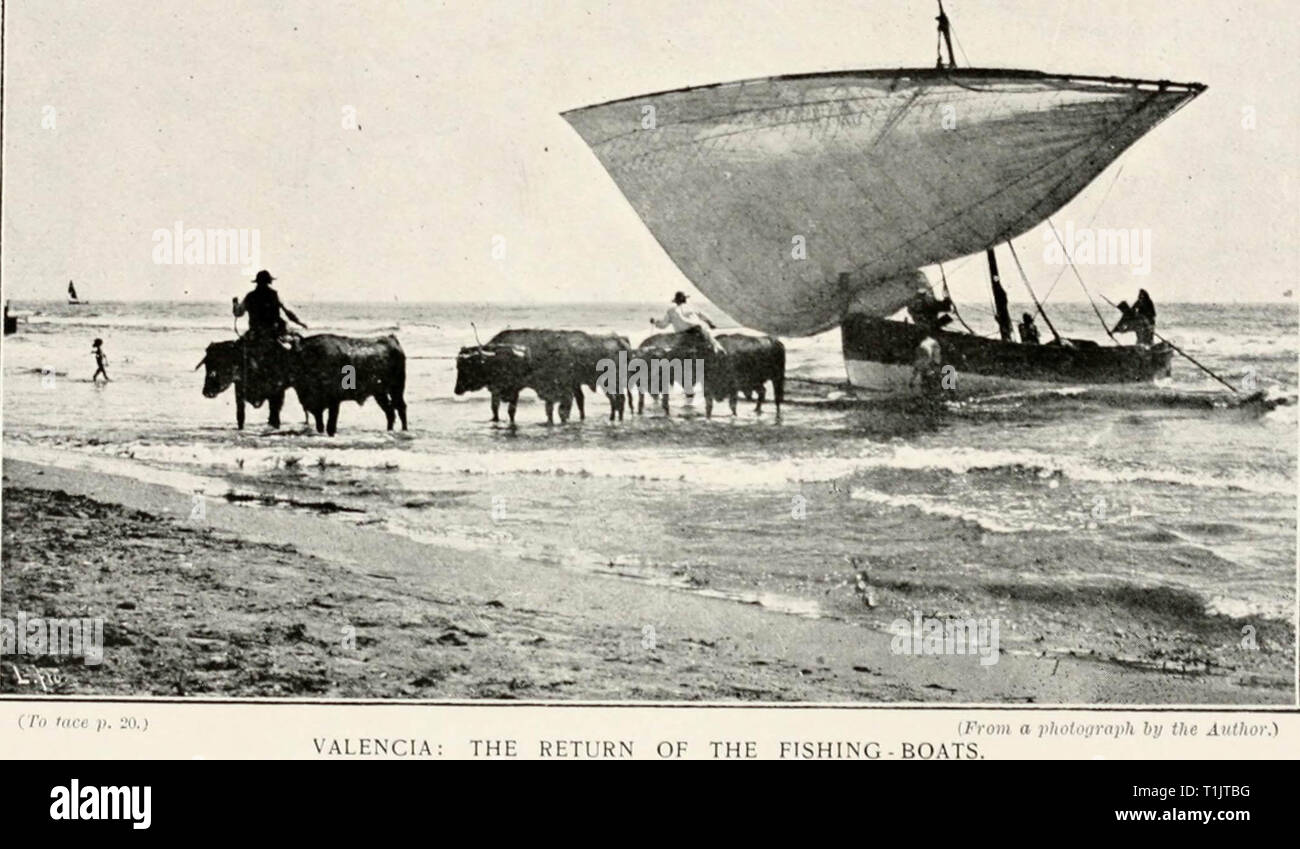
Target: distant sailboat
{"type": "Point", "coordinates": [73, 300]}
{"type": "Point", "coordinates": [805, 202]}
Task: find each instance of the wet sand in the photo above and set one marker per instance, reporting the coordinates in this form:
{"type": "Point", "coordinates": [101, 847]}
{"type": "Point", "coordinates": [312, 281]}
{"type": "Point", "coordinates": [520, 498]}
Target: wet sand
{"type": "Point", "coordinates": [254, 601]}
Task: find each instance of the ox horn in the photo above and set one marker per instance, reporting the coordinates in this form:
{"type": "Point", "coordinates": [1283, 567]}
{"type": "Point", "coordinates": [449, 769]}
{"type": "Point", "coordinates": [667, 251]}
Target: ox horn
{"type": "Point", "coordinates": [201, 362]}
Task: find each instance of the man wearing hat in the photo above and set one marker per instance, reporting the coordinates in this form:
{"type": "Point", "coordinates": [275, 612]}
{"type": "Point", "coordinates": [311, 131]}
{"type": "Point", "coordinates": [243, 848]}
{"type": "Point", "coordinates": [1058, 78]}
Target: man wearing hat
{"type": "Point", "coordinates": [683, 318]}
{"type": "Point", "coordinates": [263, 307]}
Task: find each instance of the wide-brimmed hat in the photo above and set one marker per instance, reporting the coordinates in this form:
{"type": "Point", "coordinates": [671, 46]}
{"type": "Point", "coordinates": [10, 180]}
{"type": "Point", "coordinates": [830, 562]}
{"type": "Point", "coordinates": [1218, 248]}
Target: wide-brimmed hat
{"type": "Point", "coordinates": [679, 298]}
{"type": "Point", "coordinates": [263, 276]}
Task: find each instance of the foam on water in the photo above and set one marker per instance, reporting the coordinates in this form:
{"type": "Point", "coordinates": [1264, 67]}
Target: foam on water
{"type": "Point", "coordinates": [176, 478]}
{"type": "Point", "coordinates": [986, 520]}
{"type": "Point", "coordinates": [738, 469]}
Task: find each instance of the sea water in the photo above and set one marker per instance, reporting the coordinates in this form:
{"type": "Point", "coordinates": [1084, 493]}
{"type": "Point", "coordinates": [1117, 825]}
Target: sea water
{"type": "Point", "coordinates": [777, 512]}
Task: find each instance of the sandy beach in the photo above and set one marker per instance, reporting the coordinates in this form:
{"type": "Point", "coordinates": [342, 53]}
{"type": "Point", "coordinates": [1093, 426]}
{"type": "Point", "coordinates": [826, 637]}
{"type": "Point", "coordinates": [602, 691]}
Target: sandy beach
{"type": "Point", "coordinates": [276, 602]}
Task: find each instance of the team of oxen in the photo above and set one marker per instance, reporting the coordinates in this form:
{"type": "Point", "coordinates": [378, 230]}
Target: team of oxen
{"type": "Point", "coordinates": [326, 370]}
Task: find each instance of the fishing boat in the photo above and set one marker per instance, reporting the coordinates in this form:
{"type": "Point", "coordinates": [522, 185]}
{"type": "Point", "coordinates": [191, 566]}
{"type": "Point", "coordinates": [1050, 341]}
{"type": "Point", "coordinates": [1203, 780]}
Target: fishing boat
{"type": "Point", "coordinates": [805, 202]}
{"type": "Point", "coordinates": [878, 354]}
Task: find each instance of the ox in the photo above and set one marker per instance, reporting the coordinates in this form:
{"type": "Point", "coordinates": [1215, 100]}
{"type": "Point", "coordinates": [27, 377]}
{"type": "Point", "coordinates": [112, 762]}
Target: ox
{"type": "Point", "coordinates": [660, 351]}
{"type": "Point", "coordinates": [330, 369]}
{"type": "Point", "coordinates": [750, 362]}
{"type": "Point", "coordinates": [256, 370]}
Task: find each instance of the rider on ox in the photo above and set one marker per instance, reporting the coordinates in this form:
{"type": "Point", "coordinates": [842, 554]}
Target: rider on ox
{"type": "Point", "coordinates": [682, 319]}
{"type": "Point", "coordinates": [261, 350]}
{"type": "Point", "coordinates": [263, 307]}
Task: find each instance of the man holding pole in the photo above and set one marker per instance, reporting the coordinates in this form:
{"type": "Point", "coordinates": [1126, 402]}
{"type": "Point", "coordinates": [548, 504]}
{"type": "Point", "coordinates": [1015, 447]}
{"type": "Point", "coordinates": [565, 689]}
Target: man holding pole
{"type": "Point", "coordinates": [1133, 314]}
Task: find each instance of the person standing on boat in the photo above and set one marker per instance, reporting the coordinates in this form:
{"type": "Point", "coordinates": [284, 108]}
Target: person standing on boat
{"type": "Point", "coordinates": [1146, 307]}
{"type": "Point", "coordinates": [682, 318]}
{"type": "Point", "coordinates": [72, 291]}
{"type": "Point", "coordinates": [1028, 330]}
{"type": "Point", "coordinates": [263, 307]}
{"type": "Point", "coordinates": [928, 312]}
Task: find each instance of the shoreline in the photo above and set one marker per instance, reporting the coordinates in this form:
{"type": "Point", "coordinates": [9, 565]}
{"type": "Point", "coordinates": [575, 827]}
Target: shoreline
{"type": "Point", "coordinates": [259, 601]}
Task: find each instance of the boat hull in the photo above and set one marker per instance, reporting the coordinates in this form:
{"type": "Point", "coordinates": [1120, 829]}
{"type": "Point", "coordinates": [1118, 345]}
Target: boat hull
{"type": "Point", "coordinates": [878, 356]}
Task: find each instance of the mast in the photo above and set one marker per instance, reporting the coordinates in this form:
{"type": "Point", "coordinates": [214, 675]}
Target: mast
{"type": "Point", "coordinates": [999, 298]}
{"type": "Point", "coordinates": [995, 279]}
{"type": "Point", "coordinates": [945, 30]}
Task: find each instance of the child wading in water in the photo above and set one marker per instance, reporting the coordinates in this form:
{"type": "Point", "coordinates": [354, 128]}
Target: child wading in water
{"type": "Point", "coordinates": [100, 361]}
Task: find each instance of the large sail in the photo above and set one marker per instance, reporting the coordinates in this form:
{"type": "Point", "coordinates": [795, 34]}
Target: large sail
{"type": "Point", "coordinates": [788, 199]}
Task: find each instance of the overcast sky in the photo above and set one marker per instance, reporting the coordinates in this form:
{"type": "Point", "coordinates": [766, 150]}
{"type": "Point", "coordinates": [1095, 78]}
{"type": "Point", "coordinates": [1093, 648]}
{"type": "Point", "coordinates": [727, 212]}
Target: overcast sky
{"type": "Point", "coordinates": [125, 117]}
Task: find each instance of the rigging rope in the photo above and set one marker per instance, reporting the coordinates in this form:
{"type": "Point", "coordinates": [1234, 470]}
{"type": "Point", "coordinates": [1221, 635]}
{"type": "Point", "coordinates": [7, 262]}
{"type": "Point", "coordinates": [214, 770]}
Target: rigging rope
{"type": "Point", "coordinates": [1070, 262]}
{"type": "Point", "coordinates": [1025, 278]}
{"type": "Point", "coordinates": [1095, 213]}
{"type": "Point", "coordinates": [964, 57]}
